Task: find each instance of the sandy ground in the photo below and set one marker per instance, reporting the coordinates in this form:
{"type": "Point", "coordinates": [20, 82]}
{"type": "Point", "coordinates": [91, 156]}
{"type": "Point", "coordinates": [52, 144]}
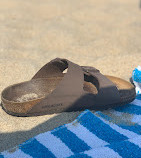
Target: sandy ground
{"type": "Point", "coordinates": [104, 34]}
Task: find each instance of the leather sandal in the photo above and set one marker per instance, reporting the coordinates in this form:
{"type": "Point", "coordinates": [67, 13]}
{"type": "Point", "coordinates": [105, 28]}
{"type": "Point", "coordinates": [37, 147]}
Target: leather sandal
{"type": "Point", "coordinates": [52, 91]}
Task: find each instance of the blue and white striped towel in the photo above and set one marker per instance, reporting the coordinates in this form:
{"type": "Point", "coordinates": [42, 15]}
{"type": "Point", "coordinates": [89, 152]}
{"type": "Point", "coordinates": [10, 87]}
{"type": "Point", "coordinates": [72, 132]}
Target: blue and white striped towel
{"type": "Point", "coordinates": [112, 133]}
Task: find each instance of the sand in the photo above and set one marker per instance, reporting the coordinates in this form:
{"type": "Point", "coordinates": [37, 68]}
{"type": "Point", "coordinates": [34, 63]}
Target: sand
{"type": "Point", "coordinates": [104, 34]}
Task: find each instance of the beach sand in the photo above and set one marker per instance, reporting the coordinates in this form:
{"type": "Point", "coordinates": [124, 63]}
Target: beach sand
{"type": "Point", "coordinates": [99, 33]}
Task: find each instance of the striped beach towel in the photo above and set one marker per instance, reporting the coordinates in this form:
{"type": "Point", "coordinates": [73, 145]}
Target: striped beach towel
{"type": "Point", "coordinates": [110, 134]}
{"type": "Point", "coordinates": [114, 133]}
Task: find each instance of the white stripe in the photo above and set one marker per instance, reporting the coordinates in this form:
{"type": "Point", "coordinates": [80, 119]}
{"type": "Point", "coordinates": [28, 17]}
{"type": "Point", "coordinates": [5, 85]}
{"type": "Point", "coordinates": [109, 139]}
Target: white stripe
{"type": "Point", "coordinates": [136, 102]}
{"type": "Point", "coordinates": [136, 141]}
{"type": "Point", "coordinates": [84, 134]}
{"type": "Point", "coordinates": [136, 119]}
{"type": "Point", "coordinates": [17, 154]}
{"type": "Point", "coordinates": [125, 132]}
{"type": "Point", "coordinates": [103, 152]}
{"type": "Point", "coordinates": [54, 144]}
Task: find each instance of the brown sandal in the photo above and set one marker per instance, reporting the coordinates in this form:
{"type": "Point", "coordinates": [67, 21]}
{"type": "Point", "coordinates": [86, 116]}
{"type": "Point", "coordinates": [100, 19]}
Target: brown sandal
{"type": "Point", "coordinates": [52, 91]}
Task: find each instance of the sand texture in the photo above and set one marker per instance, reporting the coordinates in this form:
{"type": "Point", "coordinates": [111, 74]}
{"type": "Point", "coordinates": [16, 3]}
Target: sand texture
{"type": "Point", "coordinates": [105, 34]}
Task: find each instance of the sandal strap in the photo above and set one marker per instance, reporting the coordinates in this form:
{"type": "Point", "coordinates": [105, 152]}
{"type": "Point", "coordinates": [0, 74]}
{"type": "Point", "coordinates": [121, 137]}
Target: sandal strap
{"type": "Point", "coordinates": [107, 90]}
{"type": "Point", "coordinates": [69, 89]}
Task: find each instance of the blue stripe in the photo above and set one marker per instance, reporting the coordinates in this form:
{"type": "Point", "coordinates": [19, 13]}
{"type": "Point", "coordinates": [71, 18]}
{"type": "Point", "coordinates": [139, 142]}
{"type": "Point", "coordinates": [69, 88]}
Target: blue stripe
{"type": "Point", "coordinates": [1, 156]}
{"type": "Point", "coordinates": [130, 108]}
{"type": "Point", "coordinates": [71, 140]}
{"type": "Point", "coordinates": [80, 156]}
{"type": "Point", "coordinates": [126, 149]}
{"type": "Point", "coordinates": [100, 129]}
{"type": "Point", "coordinates": [135, 128]}
{"type": "Point", "coordinates": [138, 97]}
{"type": "Point", "coordinates": [36, 150]}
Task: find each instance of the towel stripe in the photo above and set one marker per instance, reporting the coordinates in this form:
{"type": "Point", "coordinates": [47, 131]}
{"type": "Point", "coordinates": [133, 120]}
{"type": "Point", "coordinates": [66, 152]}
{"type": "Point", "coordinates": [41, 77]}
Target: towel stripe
{"type": "Point", "coordinates": [126, 149]}
{"type": "Point", "coordinates": [16, 154]}
{"type": "Point", "coordinates": [81, 155]}
{"type": "Point", "coordinates": [71, 140]}
{"type": "Point", "coordinates": [125, 132]}
{"type": "Point", "coordinates": [103, 152]}
{"type": "Point", "coordinates": [136, 102]}
{"type": "Point", "coordinates": [134, 118]}
{"type": "Point", "coordinates": [84, 134]}
{"type": "Point", "coordinates": [36, 150]}
{"type": "Point", "coordinates": [130, 108]}
{"type": "Point", "coordinates": [136, 141]}
{"type": "Point", "coordinates": [100, 129]}
{"type": "Point", "coordinates": [136, 128]}
{"type": "Point", "coordinates": [138, 97]}
{"type": "Point", "coordinates": [54, 144]}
